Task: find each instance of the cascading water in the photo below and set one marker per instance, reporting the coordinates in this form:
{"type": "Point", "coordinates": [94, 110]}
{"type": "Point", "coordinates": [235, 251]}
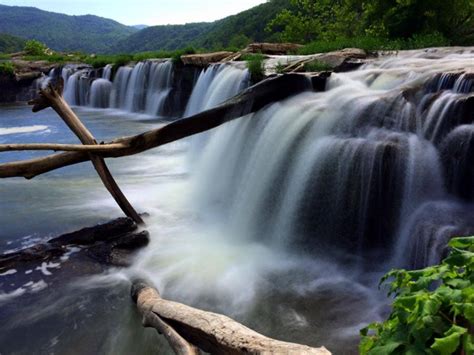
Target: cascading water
{"type": "Point", "coordinates": [346, 170]}
{"type": "Point", "coordinates": [76, 86]}
{"type": "Point", "coordinates": [142, 88]}
{"type": "Point", "coordinates": [285, 220]}
{"type": "Point", "coordinates": [214, 85]}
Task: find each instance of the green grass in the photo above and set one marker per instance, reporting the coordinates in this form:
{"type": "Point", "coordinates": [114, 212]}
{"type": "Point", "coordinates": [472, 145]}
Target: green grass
{"type": "Point", "coordinates": [373, 43]}
{"type": "Point", "coordinates": [255, 66]}
{"type": "Point", "coordinates": [316, 66]}
{"type": "Point", "coordinates": [7, 68]}
{"type": "Point", "coordinates": [52, 58]}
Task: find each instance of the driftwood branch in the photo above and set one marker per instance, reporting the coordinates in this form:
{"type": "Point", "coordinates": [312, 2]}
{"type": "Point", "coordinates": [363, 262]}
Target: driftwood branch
{"type": "Point", "coordinates": [251, 100]}
{"type": "Point", "coordinates": [52, 97]}
{"type": "Point", "coordinates": [176, 341]}
{"type": "Point", "coordinates": [90, 148]}
{"type": "Point", "coordinates": [211, 332]}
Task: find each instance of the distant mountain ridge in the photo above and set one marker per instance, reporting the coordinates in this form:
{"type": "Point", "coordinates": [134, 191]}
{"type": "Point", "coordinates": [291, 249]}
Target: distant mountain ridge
{"type": "Point", "coordinates": [61, 32]}
{"type": "Point", "coordinates": [232, 30]}
{"type": "Point", "coordinates": [93, 34]}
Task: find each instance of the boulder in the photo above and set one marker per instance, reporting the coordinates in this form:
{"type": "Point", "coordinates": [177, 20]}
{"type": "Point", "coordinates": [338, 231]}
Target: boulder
{"type": "Point", "coordinates": [272, 48]}
{"type": "Point", "coordinates": [204, 59]}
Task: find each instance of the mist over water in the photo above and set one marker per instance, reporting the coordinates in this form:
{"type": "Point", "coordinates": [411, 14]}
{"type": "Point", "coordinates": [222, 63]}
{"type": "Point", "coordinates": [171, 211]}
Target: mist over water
{"type": "Point", "coordinates": [284, 219]}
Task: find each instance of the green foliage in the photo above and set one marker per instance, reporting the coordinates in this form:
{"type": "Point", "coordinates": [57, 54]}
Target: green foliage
{"type": "Point", "coordinates": [329, 20]}
{"type": "Point", "coordinates": [233, 32]}
{"type": "Point", "coordinates": [375, 43]}
{"type": "Point", "coordinates": [433, 310]}
{"type": "Point", "coordinates": [176, 57]}
{"type": "Point", "coordinates": [316, 65]}
{"type": "Point", "coordinates": [100, 61]}
{"type": "Point", "coordinates": [10, 44]}
{"type": "Point", "coordinates": [7, 68]}
{"type": "Point", "coordinates": [62, 32]}
{"type": "Point", "coordinates": [239, 41]}
{"type": "Point", "coordinates": [255, 66]}
{"type": "Point", "coordinates": [34, 47]}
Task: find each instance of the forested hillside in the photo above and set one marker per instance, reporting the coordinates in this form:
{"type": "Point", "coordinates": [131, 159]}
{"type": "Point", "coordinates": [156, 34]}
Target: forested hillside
{"type": "Point", "coordinates": [169, 37]}
{"type": "Point", "coordinates": [9, 44]}
{"type": "Point", "coordinates": [324, 24]}
{"type": "Point", "coordinates": [62, 32]}
{"type": "Point", "coordinates": [233, 31]}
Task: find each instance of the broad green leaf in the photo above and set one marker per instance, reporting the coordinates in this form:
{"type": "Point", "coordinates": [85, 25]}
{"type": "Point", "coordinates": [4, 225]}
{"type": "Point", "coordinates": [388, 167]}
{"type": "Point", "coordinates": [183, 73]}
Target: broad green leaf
{"type": "Point", "coordinates": [386, 349]}
{"type": "Point", "coordinates": [450, 343]}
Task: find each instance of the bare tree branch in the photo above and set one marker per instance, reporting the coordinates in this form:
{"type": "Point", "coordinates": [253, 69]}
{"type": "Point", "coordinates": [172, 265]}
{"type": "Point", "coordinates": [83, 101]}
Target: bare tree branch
{"type": "Point", "coordinates": [253, 99]}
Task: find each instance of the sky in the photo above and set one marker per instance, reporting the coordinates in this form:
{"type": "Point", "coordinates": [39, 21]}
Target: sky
{"type": "Point", "coordinates": [147, 12]}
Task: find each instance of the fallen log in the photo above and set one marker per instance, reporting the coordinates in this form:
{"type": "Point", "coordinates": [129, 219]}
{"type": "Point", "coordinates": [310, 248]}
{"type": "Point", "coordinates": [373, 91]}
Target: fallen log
{"type": "Point", "coordinates": [213, 333]}
{"type": "Point", "coordinates": [250, 100]}
{"type": "Point", "coordinates": [52, 97]}
{"type": "Point", "coordinates": [91, 148]}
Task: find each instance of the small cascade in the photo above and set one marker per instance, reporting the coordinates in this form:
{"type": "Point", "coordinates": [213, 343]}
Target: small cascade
{"type": "Point", "coordinates": [77, 86]}
{"type": "Point", "coordinates": [44, 80]}
{"type": "Point", "coordinates": [143, 88]}
{"type": "Point", "coordinates": [107, 73]}
{"type": "Point", "coordinates": [159, 87]}
{"type": "Point", "coordinates": [216, 84]}
{"type": "Point", "coordinates": [100, 93]}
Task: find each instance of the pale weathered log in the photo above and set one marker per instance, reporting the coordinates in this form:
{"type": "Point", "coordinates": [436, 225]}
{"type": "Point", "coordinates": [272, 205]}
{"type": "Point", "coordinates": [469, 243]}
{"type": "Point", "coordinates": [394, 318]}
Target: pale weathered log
{"type": "Point", "coordinates": [212, 332]}
{"type": "Point", "coordinates": [252, 99]}
{"type": "Point", "coordinates": [176, 341]}
{"type": "Point", "coordinates": [52, 97]}
{"type": "Point", "coordinates": [91, 148]}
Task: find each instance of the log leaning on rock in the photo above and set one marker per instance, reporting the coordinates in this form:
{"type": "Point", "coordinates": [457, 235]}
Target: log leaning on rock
{"type": "Point", "coordinates": [211, 332]}
{"type": "Point", "coordinates": [271, 90]}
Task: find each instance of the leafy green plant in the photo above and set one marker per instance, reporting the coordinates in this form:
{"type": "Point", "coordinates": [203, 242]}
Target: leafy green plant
{"type": "Point", "coordinates": [316, 65]}
{"type": "Point", "coordinates": [7, 68]}
{"type": "Point", "coordinates": [34, 47]}
{"type": "Point", "coordinates": [255, 66]}
{"type": "Point", "coordinates": [433, 310]}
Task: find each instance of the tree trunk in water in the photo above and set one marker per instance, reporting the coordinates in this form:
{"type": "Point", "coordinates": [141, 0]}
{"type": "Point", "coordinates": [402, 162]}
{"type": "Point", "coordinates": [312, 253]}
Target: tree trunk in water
{"type": "Point", "coordinates": [211, 332]}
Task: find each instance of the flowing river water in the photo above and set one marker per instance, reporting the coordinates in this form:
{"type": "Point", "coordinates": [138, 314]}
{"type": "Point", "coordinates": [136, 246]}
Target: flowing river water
{"type": "Point", "coordinates": [285, 219]}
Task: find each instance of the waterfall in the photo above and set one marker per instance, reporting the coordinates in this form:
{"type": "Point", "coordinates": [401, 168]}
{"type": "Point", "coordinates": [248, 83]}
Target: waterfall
{"type": "Point", "coordinates": [350, 171]}
{"type": "Point", "coordinates": [100, 93]}
{"type": "Point", "coordinates": [107, 73]}
{"type": "Point", "coordinates": [147, 87]}
{"type": "Point", "coordinates": [77, 87]}
{"type": "Point", "coordinates": [142, 88]}
{"type": "Point", "coordinates": [214, 85]}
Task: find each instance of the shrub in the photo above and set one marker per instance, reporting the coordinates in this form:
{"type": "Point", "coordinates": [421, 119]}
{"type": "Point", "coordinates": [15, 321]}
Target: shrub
{"type": "Point", "coordinates": [7, 68]}
{"type": "Point", "coordinates": [316, 65]}
{"type": "Point", "coordinates": [435, 39]}
{"type": "Point", "coordinates": [433, 310]}
{"type": "Point", "coordinates": [255, 66]}
{"type": "Point", "coordinates": [34, 47]}
{"type": "Point", "coordinates": [176, 57]}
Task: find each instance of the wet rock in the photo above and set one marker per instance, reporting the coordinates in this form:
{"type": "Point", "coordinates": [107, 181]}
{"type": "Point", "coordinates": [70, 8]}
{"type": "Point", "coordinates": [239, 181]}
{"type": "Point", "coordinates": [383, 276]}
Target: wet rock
{"type": "Point", "coordinates": [110, 243]}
